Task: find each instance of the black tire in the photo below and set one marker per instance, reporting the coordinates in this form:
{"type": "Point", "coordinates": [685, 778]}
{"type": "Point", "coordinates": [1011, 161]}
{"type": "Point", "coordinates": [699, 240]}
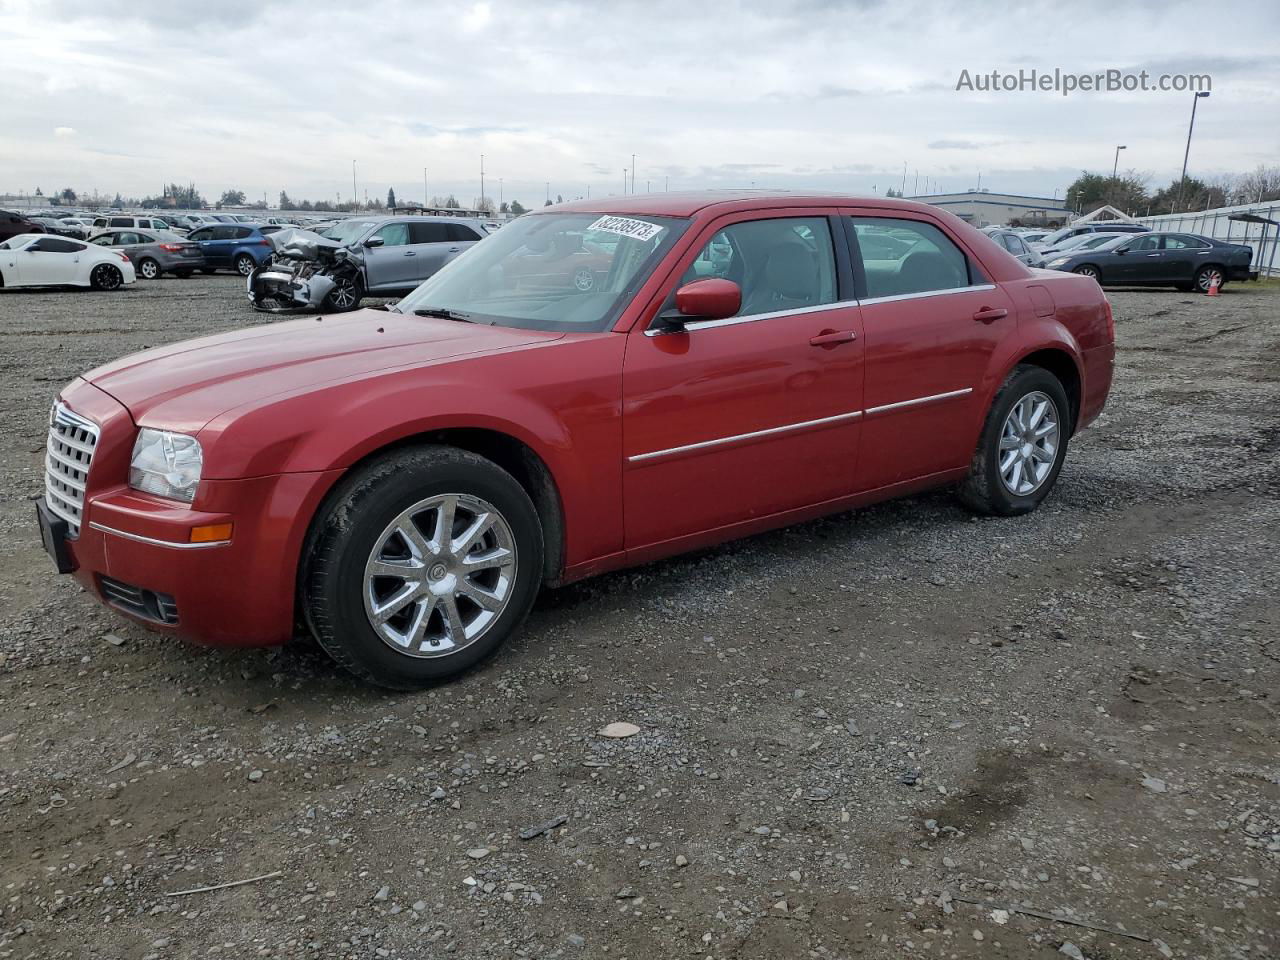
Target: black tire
{"type": "Point", "coordinates": [106, 276]}
{"type": "Point", "coordinates": [245, 264]}
{"type": "Point", "coordinates": [148, 269]}
{"type": "Point", "coordinates": [1204, 277]}
{"type": "Point", "coordinates": [349, 527]}
{"type": "Point", "coordinates": [985, 491]}
{"type": "Point", "coordinates": [345, 295]}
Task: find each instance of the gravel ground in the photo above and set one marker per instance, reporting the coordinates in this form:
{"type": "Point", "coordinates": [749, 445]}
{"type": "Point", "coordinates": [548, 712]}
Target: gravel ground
{"type": "Point", "coordinates": [883, 734]}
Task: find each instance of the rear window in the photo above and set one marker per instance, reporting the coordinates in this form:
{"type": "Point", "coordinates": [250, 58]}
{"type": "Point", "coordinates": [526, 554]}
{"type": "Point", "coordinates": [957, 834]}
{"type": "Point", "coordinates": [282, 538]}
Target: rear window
{"type": "Point", "coordinates": [121, 222]}
{"type": "Point", "coordinates": [241, 233]}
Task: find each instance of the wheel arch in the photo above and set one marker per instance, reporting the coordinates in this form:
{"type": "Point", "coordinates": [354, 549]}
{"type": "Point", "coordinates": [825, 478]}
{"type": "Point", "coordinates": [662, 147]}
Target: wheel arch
{"type": "Point", "coordinates": [1062, 365]}
{"type": "Point", "coordinates": [510, 453]}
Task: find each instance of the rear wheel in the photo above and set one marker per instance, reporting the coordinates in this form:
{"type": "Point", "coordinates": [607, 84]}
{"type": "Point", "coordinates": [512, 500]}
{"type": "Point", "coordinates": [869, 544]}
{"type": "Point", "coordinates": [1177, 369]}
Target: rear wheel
{"type": "Point", "coordinates": [1022, 447]}
{"type": "Point", "coordinates": [245, 264]}
{"type": "Point", "coordinates": [1207, 275]}
{"type": "Point", "coordinates": [421, 565]}
{"type": "Point", "coordinates": [148, 269]}
{"type": "Point", "coordinates": [106, 277]}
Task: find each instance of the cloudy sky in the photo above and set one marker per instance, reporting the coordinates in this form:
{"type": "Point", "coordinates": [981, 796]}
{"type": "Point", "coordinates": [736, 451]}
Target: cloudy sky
{"type": "Point", "coordinates": [264, 96]}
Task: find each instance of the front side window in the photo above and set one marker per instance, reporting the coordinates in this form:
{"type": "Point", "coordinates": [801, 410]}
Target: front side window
{"type": "Point", "coordinates": [908, 256]}
{"type": "Point", "coordinates": [224, 233]}
{"type": "Point", "coordinates": [205, 233]}
{"type": "Point", "coordinates": [782, 264]}
{"type": "Point", "coordinates": [1143, 244]}
{"type": "Point", "coordinates": [104, 240]}
{"type": "Point", "coordinates": [393, 235]}
{"type": "Point", "coordinates": [55, 245]}
{"type": "Point", "coordinates": [551, 271]}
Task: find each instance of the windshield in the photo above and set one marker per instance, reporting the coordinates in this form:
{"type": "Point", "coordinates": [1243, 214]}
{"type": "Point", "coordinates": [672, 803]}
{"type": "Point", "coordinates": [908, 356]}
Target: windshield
{"type": "Point", "coordinates": [348, 231]}
{"type": "Point", "coordinates": [553, 271]}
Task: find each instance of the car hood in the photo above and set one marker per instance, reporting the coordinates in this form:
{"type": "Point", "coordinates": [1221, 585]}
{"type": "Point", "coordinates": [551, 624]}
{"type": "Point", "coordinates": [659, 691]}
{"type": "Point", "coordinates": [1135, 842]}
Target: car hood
{"type": "Point", "coordinates": [184, 385]}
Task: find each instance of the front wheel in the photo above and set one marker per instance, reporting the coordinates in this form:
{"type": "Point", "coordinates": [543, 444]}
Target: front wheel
{"type": "Point", "coordinates": [345, 295]}
{"type": "Point", "coordinates": [1087, 270]}
{"type": "Point", "coordinates": [1022, 447]}
{"type": "Point", "coordinates": [421, 565]}
{"type": "Point", "coordinates": [245, 264]}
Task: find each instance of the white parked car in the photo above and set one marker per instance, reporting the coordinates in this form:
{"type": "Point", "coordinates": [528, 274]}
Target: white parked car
{"type": "Point", "coordinates": [45, 260]}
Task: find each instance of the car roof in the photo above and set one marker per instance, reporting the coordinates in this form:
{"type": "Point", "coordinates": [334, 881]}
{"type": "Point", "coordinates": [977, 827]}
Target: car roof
{"type": "Point", "coordinates": [689, 203]}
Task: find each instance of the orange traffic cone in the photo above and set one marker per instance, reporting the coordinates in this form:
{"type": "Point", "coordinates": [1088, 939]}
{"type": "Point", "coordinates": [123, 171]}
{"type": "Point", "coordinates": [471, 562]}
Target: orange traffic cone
{"type": "Point", "coordinates": [1213, 287]}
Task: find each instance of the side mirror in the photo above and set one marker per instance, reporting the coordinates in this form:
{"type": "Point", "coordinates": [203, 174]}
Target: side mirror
{"type": "Point", "coordinates": [1121, 250]}
{"type": "Point", "coordinates": [711, 299]}
{"type": "Point", "coordinates": [374, 242]}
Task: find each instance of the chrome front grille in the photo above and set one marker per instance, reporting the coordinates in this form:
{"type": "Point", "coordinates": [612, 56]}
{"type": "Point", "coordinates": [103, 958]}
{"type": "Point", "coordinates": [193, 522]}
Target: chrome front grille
{"type": "Point", "coordinates": [68, 455]}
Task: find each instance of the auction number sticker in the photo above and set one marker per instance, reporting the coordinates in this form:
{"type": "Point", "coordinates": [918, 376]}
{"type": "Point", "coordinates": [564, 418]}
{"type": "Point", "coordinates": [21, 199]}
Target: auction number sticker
{"type": "Point", "coordinates": [635, 229]}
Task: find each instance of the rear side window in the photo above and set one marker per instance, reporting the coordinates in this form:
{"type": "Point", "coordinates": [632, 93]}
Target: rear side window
{"type": "Point", "coordinates": [461, 233]}
{"type": "Point", "coordinates": [429, 232]}
{"type": "Point", "coordinates": [225, 233]}
{"type": "Point", "coordinates": [908, 256]}
{"type": "Point", "coordinates": [781, 264]}
{"type": "Point", "coordinates": [205, 233]}
{"type": "Point", "coordinates": [121, 221]}
{"type": "Point", "coordinates": [1180, 241]}
{"type": "Point", "coordinates": [55, 245]}
{"type": "Point", "coordinates": [241, 233]}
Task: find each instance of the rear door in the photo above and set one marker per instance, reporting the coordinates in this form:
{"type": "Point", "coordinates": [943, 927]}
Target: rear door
{"type": "Point", "coordinates": [932, 322]}
{"type": "Point", "coordinates": [431, 243]}
{"type": "Point", "coordinates": [462, 237]}
{"type": "Point", "coordinates": [1183, 256]}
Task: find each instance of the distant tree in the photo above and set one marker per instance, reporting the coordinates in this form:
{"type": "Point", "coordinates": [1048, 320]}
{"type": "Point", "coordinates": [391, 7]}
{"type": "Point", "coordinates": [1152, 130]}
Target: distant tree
{"type": "Point", "coordinates": [559, 199]}
{"type": "Point", "coordinates": [391, 198]}
{"type": "Point", "coordinates": [232, 198]}
{"type": "Point", "coordinates": [304, 204]}
{"type": "Point", "coordinates": [285, 202]}
{"type": "Point", "coordinates": [1262, 184]}
{"type": "Point", "coordinates": [484, 203]}
{"type": "Point", "coordinates": [324, 206]}
{"type": "Point", "coordinates": [505, 207]}
{"type": "Point", "coordinates": [892, 192]}
{"type": "Point", "coordinates": [67, 195]}
{"type": "Point", "coordinates": [548, 203]}
{"type": "Point", "coordinates": [117, 203]}
{"type": "Point", "coordinates": [1194, 194]}
{"type": "Point", "coordinates": [518, 208]}
{"type": "Point", "coordinates": [38, 193]}
{"type": "Point", "coordinates": [451, 202]}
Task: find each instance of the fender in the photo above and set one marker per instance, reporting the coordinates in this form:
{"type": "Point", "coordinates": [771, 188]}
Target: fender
{"type": "Point", "coordinates": [1040, 333]}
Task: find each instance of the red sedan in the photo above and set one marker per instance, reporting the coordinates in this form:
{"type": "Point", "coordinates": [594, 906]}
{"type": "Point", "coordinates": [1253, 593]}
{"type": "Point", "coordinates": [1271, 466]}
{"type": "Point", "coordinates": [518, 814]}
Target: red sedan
{"type": "Point", "coordinates": [405, 480]}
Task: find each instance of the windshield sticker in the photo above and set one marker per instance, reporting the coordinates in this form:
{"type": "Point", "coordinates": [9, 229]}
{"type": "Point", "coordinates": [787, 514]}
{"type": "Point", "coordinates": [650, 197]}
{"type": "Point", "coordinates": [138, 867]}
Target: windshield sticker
{"type": "Point", "coordinates": [635, 229]}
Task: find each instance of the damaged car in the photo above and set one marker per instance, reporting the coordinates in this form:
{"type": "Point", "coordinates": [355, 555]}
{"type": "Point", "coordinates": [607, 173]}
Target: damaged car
{"type": "Point", "coordinates": [362, 256]}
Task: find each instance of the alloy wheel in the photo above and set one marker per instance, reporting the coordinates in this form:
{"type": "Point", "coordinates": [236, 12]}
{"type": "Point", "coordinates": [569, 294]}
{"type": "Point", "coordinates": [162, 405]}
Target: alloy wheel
{"type": "Point", "coordinates": [106, 277]}
{"type": "Point", "coordinates": [440, 575]}
{"type": "Point", "coordinates": [343, 295]}
{"type": "Point", "coordinates": [1029, 444]}
{"type": "Point", "coordinates": [1088, 272]}
{"type": "Point", "coordinates": [245, 266]}
{"type": "Point", "coordinates": [1207, 278]}
{"type": "Point", "coordinates": [149, 270]}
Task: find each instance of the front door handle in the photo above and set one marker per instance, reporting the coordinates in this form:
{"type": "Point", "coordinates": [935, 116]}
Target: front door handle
{"type": "Point", "coordinates": [833, 338]}
{"type": "Point", "coordinates": [990, 314]}
{"type": "Point", "coordinates": [411, 253]}
{"type": "Point", "coordinates": [453, 249]}
{"type": "Point", "coordinates": [1153, 254]}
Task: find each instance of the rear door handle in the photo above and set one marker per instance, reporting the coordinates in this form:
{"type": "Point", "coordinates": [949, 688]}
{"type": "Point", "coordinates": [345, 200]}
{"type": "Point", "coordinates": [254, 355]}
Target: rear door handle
{"type": "Point", "coordinates": [453, 249]}
{"type": "Point", "coordinates": [833, 338]}
{"type": "Point", "coordinates": [411, 253]}
{"type": "Point", "coordinates": [990, 314]}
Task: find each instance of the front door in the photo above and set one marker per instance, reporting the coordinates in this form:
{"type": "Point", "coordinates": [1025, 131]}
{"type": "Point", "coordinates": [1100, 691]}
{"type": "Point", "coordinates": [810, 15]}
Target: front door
{"type": "Point", "coordinates": [738, 419]}
{"type": "Point", "coordinates": [932, 322]}
{"type": "Point", "coordinates": [1141, 262]}
{"type": "Point", "coordinates": [392, 262]}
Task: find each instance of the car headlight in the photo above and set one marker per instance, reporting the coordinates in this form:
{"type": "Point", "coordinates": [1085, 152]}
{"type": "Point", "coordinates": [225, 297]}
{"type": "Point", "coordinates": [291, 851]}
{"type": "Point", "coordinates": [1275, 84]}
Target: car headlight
{"type": "Point", "coordinates": [1057, 261]}
{"type": "Point", "coordinates": [166, 464]}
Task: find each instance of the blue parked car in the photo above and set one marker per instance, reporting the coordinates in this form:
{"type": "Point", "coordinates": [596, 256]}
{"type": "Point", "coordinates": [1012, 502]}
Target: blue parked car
{"type": "Point", "coordinates": [236, 246]}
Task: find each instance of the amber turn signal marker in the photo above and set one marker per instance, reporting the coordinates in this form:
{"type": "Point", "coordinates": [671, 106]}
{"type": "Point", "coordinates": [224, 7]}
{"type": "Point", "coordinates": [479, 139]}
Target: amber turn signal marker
{"type": "Point", "coordinates": [211, 533]}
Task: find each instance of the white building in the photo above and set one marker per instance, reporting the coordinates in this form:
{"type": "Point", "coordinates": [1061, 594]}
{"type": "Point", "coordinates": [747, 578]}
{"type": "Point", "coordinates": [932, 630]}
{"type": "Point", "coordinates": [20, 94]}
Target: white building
{"type": "Point", "coordinates": [983, 208]}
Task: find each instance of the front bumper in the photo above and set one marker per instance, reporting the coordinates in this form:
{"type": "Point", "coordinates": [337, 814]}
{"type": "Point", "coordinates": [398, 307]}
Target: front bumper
{"type": "Point", "coordinates": [134, 552]}
{"type": "Point", "coordinates": [274, 288]}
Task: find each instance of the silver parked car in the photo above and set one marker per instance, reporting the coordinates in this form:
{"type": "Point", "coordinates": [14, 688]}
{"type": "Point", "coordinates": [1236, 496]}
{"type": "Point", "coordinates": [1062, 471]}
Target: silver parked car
{"type": "Point", "coordinates": [154, 252]}
{"type": "Point", "coordinates": [380, 256]}
{"type": "Point", "coordinates": [1017, 246]}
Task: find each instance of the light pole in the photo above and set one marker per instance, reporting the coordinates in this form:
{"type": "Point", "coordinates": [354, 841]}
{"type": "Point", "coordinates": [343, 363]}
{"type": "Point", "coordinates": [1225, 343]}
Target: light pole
{"type": "Point", "coordinates": [1116, 165]}
{"type": "Point", "coordinates": [354, 192]}
{"type": "Point", "coordinates": [482, 181]}
{"type": "Point", "coordinates": [1187, 153]}
{"type": "Point", "coordinates": [633, 173]}
{"type": "Point", "coordinates": [426, 201]}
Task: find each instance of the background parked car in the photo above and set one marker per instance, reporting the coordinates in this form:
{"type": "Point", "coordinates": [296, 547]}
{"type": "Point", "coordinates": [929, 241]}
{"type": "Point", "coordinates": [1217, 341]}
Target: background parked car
{"type": "Point", "coordinates": [125, 221]}
{"type": "Point", "coordinates": [1110, 226]}
{"type": "Point", "coordinates": [1018, 247]}
{"type": "Point", "coordinates": [236, 246]}
{"type": "Point", "coordinates": [398, 253]}
{"type": "Point", "coordinates": [43, 260]}
{"type": "Point", "coordinates": [13, 224]}
{"type": "Point", "coordinates": [154, 252]}
{"type": "Point", "coordinates": [58, 228]}
{"type": "Point", "coordinates": [1082, 241]}
{"type": "Point", "coordinates": [1183, 260]}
